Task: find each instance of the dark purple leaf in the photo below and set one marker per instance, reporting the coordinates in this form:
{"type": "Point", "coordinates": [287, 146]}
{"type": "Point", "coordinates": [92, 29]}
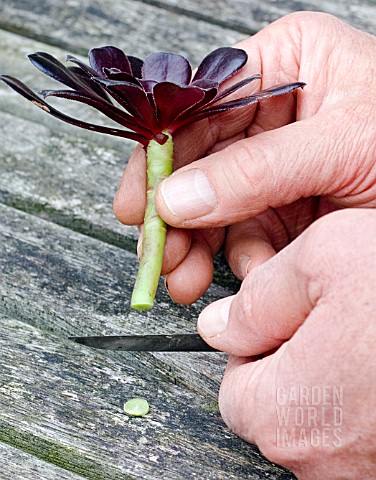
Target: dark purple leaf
{"type": "Point", "coordinates": [241, 102]}
{"type": "Point", "coordinates": [211, 97]}
{"type": "Point", "coordinates": [236, 87]}
{"type": "Point", "coordinates": [49, 65]}
{"type": "Point", "coordinates": [115, 74]}
{"type": "Point", "coordinates": [114, 70]}
{"type": "Point", "coordinates": [86, 73]}
{"type": "Point", "coordinates": [95, 88]}
{"type": "Point", "coordinates": [136, 66]}
{"type": "Point", "coordinates": [167, 67]}
{"type": "Point", "coordinates": [134, 99]}
{"type": "Point", "coordinates": [90, 72]}
{"type": "Point", "coordinates": [205, 84]}
{"type": "Point", "coordinates": [221, 64]}
{"type": "Point", "coordinates": [157, 94]}
{"type": "Point", "coordinates": [256, 97]}
{"type": "Point", "coordinates": [23, 90]}
{"type": "Point", "coordinates": [148, 85]}
{"type": "Point", "coordinates": [171, 100]}
{"type": "Point", "coordinates": [210, 90]}
{"type": "Point", "coordinates": [108, 57]}
{"type": "Point", "coordinates": [78, 72]}
{"type": "Point", "coordinates": [107, 109]}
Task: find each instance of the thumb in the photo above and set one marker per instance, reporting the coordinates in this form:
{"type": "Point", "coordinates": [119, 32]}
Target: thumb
{"type": "Point", "coordinates": [272, 303]}
{"type": "Point", "coordinates": [271, 169]}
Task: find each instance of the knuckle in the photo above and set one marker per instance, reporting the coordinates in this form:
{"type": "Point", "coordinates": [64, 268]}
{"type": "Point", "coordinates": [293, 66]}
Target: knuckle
{"type": "Point", "coordinates": [333, 247]}
{"type": "Point", "coordinates": [255, 335]}
{"type": "Point", "coordinates": [252, 166]}
{"type": "Point", "coordinates": [356, 140]}
{"type": "Point", "coordinates": [314, 20]}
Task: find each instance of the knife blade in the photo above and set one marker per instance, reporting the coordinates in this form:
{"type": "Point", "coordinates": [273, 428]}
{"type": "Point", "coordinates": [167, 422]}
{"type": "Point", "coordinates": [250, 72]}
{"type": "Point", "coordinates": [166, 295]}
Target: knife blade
{"type": "Point", "coordinates": [182, 342]}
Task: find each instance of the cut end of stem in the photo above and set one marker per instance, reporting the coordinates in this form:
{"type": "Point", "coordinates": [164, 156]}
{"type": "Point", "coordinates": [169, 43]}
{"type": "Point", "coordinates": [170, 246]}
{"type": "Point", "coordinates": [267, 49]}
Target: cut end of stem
{"type": "Point", "coordinates": [142, 306]}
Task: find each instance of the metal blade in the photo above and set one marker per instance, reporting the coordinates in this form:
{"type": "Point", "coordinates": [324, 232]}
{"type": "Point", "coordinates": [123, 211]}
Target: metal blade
{"type": "Point", "coordinates": [186, 342]}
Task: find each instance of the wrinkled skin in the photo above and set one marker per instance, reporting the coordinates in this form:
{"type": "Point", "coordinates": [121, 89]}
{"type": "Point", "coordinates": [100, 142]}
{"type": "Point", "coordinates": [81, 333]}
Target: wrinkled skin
{"type": "Point", "coordinates": [307, 302]}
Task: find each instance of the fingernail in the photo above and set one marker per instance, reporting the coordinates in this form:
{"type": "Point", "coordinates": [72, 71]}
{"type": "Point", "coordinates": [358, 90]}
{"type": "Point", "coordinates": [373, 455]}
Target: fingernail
{"type": "Point", "coordinates": [244, 262]}
{"type": "Point", "coordinates": [139, 241]}
{"type": "Point", "coordinates": [189, 194]}
{"type": "Point", "coordinates": [166, 285]}
{"type": "Point", "coordinates": [139, 247]}
{"type": "Point", "coordinates": [213, 320]}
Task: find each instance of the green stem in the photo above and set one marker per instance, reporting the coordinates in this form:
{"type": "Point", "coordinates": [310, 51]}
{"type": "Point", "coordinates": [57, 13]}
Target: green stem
{"type": "Point", "coordinates": [159, 166]}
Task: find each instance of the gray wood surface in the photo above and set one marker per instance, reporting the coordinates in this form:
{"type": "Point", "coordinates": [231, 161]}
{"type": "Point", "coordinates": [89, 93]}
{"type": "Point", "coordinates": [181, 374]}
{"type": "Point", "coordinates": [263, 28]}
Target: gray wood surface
{"type": "Point", "coordinates": [249, 16]}
{"type": "Point", "coordinates": [65, 282]}
{"type": "Point", "coordinates": [82, 428]}
{"type": "Point", "coordinates": [19, 465]}
{"type": "Point", "coordinates": [83, 168]}
{"type": "Point", "coordinates": [135, 26]}
{"type": "Point", "coordinates": [63, 402]}
{"type": "Point", "coordinates": [67, 267]}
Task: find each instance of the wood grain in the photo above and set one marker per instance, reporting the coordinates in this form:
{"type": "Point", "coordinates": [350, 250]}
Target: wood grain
{"type": "Point", "coordinates": [19, 465]}
{"type": "Point", "coordinates": [67, 267]}
{"type": "Point", "coordinates": [249, 16]}
{"type": "Point", "coordinates": [61, 281]}
{"type": "Point", "coordinates": [63, 404]}
{"type": "Point", "coordinates": [135, 26]}
{"type": "Point", "coordinates": [57, 171]}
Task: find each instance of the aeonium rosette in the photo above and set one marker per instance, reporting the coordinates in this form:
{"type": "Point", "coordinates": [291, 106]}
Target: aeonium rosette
{"type": "Point", "coordinates": [158, 96]}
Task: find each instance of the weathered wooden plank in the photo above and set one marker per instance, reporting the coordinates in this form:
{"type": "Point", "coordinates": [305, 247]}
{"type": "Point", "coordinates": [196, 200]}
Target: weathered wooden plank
{"type": "Point", "coordinates": [73, 188]}
{"type": "Point", "coordinates": [135, 26]}
{"type": "Point", "coordinates": [63, 404]}
{"type": "Point", "coordinates": [249, 16]}
{"type": "Point", "coordinates": [179, 22]}
{"type": "Point", "coordinates": [69, 283]}
{"type": "Point", "coordinates": [65, 178]}
{"type": "Point", "coordinates": [18, 465]}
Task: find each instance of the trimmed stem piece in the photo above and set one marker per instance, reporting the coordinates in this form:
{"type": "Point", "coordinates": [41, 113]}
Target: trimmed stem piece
{"type": "Point", "coordinates": [159, 167]}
